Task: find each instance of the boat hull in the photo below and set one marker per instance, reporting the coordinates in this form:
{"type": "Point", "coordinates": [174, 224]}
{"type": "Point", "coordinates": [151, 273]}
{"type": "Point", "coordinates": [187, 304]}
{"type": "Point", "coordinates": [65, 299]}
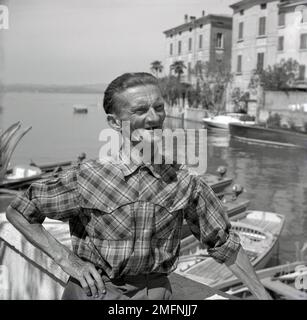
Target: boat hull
{"type": "Point", "coordinates": [217, 125]}
{"type": "Point", "coordinates": [262, 135]}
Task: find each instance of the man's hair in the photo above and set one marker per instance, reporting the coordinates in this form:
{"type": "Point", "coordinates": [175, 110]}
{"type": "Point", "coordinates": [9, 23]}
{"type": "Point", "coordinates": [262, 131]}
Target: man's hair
{"type": "Point", "coordinates": [123, 82]}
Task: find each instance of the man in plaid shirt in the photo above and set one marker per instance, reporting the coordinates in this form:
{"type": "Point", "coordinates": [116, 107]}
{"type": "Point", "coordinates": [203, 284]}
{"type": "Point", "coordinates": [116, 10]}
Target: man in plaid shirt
{"type": "Point", "coordinates": [125, 218]}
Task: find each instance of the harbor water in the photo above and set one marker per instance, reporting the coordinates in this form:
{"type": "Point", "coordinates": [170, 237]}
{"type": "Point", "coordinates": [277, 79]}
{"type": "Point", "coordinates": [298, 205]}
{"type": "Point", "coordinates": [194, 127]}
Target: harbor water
{"type": "Point", "coordinates": [274, 178]}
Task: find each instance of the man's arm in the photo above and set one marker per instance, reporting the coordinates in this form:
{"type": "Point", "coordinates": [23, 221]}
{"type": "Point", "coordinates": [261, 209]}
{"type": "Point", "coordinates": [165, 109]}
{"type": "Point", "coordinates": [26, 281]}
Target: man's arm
{"type": "Point", "coordinates": [35, 233]}
{"type": "Point", "coordinates": [210, 224]}
{"type": "Point", "coordinates": [240, 265]}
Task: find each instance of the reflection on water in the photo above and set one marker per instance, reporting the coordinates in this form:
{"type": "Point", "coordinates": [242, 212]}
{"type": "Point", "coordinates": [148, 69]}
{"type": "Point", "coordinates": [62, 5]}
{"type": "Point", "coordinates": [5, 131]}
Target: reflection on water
{"type": "Point", "coordinates": [275, 179]}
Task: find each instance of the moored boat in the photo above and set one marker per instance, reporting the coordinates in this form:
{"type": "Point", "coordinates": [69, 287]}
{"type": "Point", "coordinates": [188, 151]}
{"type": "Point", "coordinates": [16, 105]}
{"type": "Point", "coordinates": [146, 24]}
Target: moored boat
{"type": "Point", "coordinates": [80, 109]}
{"type": "Point", "coordinates": [19, 176]}
{"type": "Point", "coordinates": [223, 121]}
{"type": "Point", "coordinates": [284, 282]}
{"type": "Point", "coordinates": [259, 232]}
{"type": "Point", "coordinates": [258, 134]}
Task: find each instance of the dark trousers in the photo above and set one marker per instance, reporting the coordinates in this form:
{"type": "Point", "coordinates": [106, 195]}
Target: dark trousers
{"type": "Point", "coordinates": [155, 286]}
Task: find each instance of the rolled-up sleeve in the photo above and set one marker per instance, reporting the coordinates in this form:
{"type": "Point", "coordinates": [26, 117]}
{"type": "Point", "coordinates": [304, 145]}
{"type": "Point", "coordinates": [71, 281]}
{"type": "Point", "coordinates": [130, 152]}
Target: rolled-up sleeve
{"type": "Point", "coordinates": [209, 223]}
{"type": "Point", "coordinates": [55, 198]}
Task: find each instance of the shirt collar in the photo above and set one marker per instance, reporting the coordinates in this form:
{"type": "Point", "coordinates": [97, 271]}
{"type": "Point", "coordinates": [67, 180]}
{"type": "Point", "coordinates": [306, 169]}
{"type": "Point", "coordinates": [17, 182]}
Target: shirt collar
{"type": "Point", "coordinates": [167, 172]}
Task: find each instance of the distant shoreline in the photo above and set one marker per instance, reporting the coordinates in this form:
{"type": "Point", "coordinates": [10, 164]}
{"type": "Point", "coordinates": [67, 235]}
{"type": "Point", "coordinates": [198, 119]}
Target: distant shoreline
{"type": "Point", "coordinates": [96, 88]}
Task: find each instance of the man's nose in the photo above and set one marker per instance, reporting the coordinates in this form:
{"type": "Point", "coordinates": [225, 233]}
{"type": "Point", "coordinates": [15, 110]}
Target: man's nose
{"type": "Point", "coordinates": [152, 116]}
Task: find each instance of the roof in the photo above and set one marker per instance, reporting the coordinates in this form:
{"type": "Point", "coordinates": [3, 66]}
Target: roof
{"type": "Point", "coordinates": [290, 3]}
{"type": "Point", "coordinates": [210, 18]}
{"type": "Point", "coordinates": [244, 3]}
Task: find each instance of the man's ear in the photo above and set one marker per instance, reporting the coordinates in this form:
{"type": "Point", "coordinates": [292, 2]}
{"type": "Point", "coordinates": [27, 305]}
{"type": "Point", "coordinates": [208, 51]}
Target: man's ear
{"type": "Point", "coordinates": [114, 122]}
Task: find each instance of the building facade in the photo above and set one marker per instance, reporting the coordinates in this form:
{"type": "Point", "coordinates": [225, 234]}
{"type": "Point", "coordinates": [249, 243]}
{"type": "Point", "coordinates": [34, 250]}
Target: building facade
{"type": "Point", "coordinates": [292, 35]}
{"type": "Point", "coordinates": [206, 39]}
{"type": "Point", "coordinates": [264, 32]}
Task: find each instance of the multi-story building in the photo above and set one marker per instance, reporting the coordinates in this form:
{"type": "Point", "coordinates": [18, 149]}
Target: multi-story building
{"type": "Point", "coordinates": [206, 39]}
{"type": "Point", "coordinates": [264, 32]}
{"type": "Point", "coordinates": [292, 35]}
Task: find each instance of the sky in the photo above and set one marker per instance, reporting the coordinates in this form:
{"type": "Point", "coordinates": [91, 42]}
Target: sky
{"type": "Point", "coordinates": [86, 42]}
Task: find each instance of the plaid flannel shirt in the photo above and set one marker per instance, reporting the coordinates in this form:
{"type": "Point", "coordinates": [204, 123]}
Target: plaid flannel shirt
{"type": "Point", "coordinates": [127, 219]}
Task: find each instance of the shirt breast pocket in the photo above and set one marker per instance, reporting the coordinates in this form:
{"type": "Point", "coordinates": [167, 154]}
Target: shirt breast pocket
{"type": "Point", "coordinates": [109, 223]}
{"type": "Point", "coordinates": [168, 221]}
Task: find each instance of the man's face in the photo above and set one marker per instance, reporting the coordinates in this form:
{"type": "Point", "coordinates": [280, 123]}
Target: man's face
{"type": "Point", "coordinates": [142, 106]}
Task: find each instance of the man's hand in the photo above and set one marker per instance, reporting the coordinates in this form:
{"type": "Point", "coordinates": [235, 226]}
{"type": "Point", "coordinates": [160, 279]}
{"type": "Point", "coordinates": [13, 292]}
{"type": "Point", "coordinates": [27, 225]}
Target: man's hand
{"type": "Point", "coordinates": [86, 273]}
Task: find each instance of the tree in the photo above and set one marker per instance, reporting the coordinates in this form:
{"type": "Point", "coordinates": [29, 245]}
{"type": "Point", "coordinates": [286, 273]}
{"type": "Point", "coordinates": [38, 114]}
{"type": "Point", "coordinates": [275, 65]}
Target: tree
{"type": "Point", "coordinates": [280, 76]}
{"type": "Point", "coordinates": [178, 68]}
{"type": "Point", "coordinates": [213, 84]}
{"type": "Point", "coordinates": [156, 67]}
{"type": "Point", "coordinates": [170, 88]}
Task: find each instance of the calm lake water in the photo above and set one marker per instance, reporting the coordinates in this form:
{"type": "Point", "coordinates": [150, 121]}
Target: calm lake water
{"type": "Point", "coordinates": [275, 179]}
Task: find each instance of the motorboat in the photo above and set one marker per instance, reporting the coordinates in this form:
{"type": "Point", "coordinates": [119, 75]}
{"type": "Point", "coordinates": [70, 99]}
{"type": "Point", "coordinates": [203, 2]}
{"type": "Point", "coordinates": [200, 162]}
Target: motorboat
{"type": "Point", "coordinates": [222, 121]}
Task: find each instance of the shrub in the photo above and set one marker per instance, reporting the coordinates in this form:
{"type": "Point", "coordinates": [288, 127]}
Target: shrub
{"type": "Point", "coordinates": [274, 121]}
{"type": "Point", "coordinates": [291, 124]}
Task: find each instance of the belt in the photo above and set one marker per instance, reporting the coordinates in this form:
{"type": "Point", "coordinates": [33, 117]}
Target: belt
{"type": "Point", "coordinates": [136, 280]}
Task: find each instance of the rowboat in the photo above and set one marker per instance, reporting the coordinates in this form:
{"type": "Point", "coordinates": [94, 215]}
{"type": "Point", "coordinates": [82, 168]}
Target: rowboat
{"type": "Point", "coordinates": [284, 282]}
{"type": "Point", "coordinates": [20, 175]}
{"type": "Point", "coordinates": [217, 183]}
{"type": "Point", "coordinates": [259, 232]}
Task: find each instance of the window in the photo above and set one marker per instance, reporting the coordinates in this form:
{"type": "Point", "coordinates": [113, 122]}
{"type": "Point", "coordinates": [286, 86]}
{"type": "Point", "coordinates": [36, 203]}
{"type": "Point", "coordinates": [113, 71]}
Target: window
{"type": "Point", "coordinates": [303, 44]}
{"type": "Point", "coordinates": [281, 19]}
{"type": "Point", "coordinates": [261, 26]}
{"type": "Point", "coordinates": [280, 43]}
{"type": "Point", "coordinates": [302, 70]}
{"type": "Point", "coordinates": [190, 29]}
{"type": "Point", "coordinates": [241, 12]}
{"type": "Point", "coordinates": [219, 40]}
{"type": "Point", "coordinates": [239, 64]}
{"type": "Point", "coordinates": [263, 6]}
{"type": "Point", "coordinates": [190, 44]}
{"type": "Point", "coordinates": [171, 49]}
{"type": "Point", "coordinates": [200, 44]}
{"type": "Point", "coordinates": [240, 30]}
{"type": "Point", "coordinates": [260, 61]}
{"type": "Point", "coordinates": [179, 47]}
